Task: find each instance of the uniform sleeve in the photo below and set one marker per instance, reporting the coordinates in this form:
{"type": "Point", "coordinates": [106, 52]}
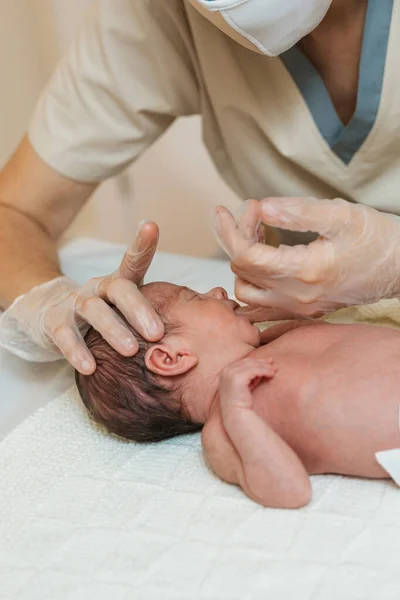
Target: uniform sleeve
{"type": "Point", "coordinates": [128, 75]}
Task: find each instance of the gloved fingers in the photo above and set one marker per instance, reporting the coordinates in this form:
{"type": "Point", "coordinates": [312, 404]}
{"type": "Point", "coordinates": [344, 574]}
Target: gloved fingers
{"type": "Point", "coordinates": [326, 217]}
{"type": "Point", "coordinates": [272, 300]}
{"type": "Point", "coordinates": [249, 293]}
{"type": "Point", "coordinates": [296, 289]}
{"type": "Point", "coordinates": [260, 314]}
{"type": "Point", "coordinates": [137, 310]}
{"type": "Point", "coordinates": [71, 345]}
{"type": "Point", "coordinates": [105, 320]}
{"type": "Point", "coordinates": [310, 264]}
{"type": "Point", "coordinates": [249, 221]}
{"type": "Point", "coordinates": [276, 304]}
{"type": "Point", "coordinates": [222, 220]}
{"type": "Point", "coordinates": [138, 258]}
{"type": "Point", "coordinates": [258, 262]}
{"type": "Point", "coordinates": [231, 239]}
{"type": "Point", "coordinates": [267, 304]}
{"type": "Point", "coordinates": [261, 234]}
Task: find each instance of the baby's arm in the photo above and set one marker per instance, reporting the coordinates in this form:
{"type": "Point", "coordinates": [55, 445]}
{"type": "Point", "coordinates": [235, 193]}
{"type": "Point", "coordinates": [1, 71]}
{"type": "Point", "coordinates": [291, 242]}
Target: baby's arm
{"type": "Point", "coordinates": [243, 449]}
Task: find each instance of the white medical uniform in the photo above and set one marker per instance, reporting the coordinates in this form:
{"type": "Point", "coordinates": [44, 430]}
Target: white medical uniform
{"type": "Point", "coordinates": [269, 123]}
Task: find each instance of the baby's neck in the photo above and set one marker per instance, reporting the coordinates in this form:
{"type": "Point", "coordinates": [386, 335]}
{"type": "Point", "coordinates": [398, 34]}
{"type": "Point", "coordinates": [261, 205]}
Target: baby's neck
{"type": "Point", "coordinates": [199, 399]}
{"type": "Point", "coordinates": [202, 395]}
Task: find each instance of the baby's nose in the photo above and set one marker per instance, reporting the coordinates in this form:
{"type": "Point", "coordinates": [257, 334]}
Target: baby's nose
{"type": "Point", "coordinates": [219, 293]}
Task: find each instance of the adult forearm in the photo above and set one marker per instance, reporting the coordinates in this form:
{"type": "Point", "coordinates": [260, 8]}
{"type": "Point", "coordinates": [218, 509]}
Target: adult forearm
{"type": "Point", "coordinates": [37, 204]}
{"type": "Point", "coordinates": [28, 255]}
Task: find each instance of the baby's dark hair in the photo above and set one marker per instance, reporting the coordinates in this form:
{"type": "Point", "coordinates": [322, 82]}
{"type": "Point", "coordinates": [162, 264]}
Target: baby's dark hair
{"type": "Point", "coordinates": [127, 398]}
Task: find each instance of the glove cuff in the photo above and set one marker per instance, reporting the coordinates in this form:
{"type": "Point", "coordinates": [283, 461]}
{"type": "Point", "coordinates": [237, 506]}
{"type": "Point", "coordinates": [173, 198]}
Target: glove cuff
{"type": "Point", "coordinates": [20, 324]}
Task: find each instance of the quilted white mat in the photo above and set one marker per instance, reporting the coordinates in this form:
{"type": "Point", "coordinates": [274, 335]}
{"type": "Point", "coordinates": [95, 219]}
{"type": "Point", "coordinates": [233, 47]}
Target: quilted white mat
{"type": "Point", "coordinates": [84, 515]}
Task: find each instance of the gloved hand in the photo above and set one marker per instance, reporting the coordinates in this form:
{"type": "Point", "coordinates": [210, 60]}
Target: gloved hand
{"type": "Point", "coordinates": [51, 320]}
{"type": "Point", "coordinates": [355, 260]}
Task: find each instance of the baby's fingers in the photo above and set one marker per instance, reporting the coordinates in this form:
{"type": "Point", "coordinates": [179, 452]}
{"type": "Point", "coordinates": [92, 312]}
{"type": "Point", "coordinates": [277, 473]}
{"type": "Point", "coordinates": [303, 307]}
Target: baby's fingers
{"type": "Point", "coordinates": [240, 380]}
{"type": "Point", "coordinates": [266, 369]}
{"type": "Point", "coordinates": [242, 373]}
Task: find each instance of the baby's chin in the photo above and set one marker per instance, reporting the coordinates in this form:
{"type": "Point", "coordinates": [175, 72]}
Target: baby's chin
{"type": "Point", "coordinates": [257, 336]}
{"type": "Point", "coordinates": [251, 334]}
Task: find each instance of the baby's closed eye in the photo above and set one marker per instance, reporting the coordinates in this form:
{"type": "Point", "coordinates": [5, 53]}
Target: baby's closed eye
{"type": "Point", "coordinates": [195, 296]}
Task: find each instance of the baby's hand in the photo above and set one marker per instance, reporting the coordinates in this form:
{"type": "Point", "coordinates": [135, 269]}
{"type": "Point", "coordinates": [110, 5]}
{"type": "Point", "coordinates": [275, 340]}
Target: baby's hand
{"type": "Point", "coordinates": [240, 379]}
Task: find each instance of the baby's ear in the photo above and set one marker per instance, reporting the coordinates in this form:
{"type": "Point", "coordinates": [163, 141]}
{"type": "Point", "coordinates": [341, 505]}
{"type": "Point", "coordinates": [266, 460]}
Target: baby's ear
{"type": "Point", "coordinates": [164, 360]}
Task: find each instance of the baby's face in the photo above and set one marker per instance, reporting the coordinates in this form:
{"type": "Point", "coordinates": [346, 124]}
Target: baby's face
{"type": "Point", "coordinates": [207, 320]}
{"type": "Point", "coordinates": [208, 335]}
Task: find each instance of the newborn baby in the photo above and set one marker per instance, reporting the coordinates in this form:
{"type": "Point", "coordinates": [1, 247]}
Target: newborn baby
{"type": "Point", "coordinates": [303, 398]}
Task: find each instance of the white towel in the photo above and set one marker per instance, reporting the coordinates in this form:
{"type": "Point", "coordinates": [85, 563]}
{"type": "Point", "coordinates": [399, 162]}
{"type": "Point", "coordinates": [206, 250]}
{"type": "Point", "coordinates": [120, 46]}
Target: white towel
{"type": "Point", "coordinates": [84, 515]}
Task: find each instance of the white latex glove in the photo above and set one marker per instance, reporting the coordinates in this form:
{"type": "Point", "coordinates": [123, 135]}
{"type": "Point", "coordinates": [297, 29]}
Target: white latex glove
{"type": "Point", "coordinates": [50, 321]}
{"type": "Point", "coordinates": [355, 260]}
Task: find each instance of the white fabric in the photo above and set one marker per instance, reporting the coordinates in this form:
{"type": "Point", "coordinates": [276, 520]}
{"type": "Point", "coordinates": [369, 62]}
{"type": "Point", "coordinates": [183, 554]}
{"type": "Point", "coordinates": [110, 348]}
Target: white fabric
{"type": "Point", "coordinates": [85, 516]}
{"type": "Point", "coordinates": [273, 26]}
{"type": "Point", "coordinates": [390, 461]}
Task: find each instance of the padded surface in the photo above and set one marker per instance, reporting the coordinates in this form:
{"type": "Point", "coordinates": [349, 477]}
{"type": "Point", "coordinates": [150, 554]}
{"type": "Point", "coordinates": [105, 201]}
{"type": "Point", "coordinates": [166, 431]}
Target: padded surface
{"type": "Point", "coordinates": [85, 516]}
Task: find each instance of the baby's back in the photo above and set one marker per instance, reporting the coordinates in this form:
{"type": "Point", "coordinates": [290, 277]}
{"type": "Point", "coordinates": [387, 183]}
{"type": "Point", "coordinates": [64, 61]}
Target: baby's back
{"type": "Point", "coordinates": [335, 398]}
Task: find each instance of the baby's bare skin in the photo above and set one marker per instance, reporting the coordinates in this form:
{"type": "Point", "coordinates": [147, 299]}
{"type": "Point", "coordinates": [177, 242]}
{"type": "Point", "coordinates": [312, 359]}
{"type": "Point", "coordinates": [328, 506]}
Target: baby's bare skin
{"type": "Point", "coordinates": [331, 402]}
{"type": "Point", "coordinates": [335, 397]}
{"type": "Point", "coordinates": [313, 398]}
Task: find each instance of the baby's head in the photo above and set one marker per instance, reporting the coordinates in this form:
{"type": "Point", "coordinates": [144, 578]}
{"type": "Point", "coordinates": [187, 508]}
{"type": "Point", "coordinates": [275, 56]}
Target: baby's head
{"type": "Point", "coordinates": [168, 387]}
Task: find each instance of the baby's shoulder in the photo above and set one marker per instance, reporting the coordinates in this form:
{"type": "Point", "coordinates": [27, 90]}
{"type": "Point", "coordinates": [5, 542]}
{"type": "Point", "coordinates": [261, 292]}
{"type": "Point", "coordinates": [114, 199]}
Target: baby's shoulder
{"type": "Point", "coordinates": [260, 352]}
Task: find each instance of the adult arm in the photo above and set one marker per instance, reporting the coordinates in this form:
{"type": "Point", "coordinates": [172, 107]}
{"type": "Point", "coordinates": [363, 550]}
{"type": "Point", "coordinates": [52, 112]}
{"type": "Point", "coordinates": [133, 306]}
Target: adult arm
{"type": "Point", "coordinates": [36, 205]}
{"type": "Point", "coordinates": [128, 75]}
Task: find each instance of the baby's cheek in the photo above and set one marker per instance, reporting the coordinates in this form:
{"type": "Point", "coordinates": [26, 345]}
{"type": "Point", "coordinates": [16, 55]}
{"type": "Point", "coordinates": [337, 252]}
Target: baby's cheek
{"type": "Point", "coordinates": [215, 327]}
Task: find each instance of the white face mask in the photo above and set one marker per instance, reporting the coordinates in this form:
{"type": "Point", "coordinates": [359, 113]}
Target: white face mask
{"type": "Point", "coordinates": [272, 26]}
